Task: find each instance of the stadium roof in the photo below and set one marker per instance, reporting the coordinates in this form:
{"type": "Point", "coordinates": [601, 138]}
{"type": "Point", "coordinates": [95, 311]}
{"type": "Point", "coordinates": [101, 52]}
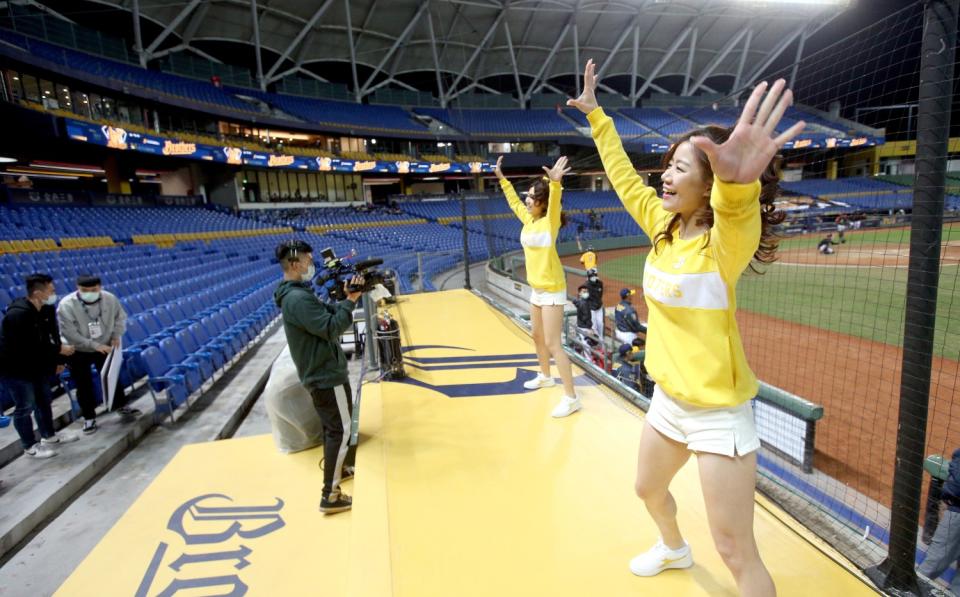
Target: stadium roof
{"type": "Point", "coordinates": [517, 47]}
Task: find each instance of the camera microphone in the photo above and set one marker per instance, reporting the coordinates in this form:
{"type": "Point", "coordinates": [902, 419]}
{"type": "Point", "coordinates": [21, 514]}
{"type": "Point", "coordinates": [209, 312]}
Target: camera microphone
{"type": "Point", "coordinates": [362, 265]}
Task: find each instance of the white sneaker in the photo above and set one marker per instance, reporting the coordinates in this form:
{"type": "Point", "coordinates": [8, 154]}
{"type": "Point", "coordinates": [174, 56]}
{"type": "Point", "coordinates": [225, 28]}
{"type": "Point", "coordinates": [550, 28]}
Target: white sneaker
{"type": "Point", "coordinates": [566, 407]}
{"type": "Point", "coordinates": [539, 382]}
{"type": "Point", "coordinates": [64, 437]}
{"type": "Point", "coordinates": [40, 451]}
{"type": "Point", "coordinates": [660, 558]}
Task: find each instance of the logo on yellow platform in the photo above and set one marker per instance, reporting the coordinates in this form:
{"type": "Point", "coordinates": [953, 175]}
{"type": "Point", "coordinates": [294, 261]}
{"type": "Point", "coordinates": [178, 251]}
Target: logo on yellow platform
{"type": "Point", "coordinates": [420, 362]}
{"type": "Point", "coordinates": [209, 540]}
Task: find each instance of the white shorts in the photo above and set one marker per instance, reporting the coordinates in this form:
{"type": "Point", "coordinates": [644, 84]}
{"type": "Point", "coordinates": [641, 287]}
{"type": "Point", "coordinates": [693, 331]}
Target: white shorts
{"type": "Point", "coordinates": [726, 431]}
{"type": "Point", "coordinates": [542, 298]}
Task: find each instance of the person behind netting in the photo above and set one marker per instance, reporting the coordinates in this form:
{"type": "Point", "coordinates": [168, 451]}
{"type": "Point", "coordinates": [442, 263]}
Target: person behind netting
{"type": "Point", "coordinates": [716, 217]}
{"type": "Point", "coordinates": [93, 320]}
{"type": "Point", "coordinates": [595, 288]}
{"type": "Point", "coordinates": [542, 218]}
{"type": "Point", "coordinates": [313, 331]}
{"type": "Point", "coordinates": [625, 318]}
{"type": "Point", "coordinates": [30, 353]}
{"type": "Point", "coordinates": [944, 548]}
{"type": "Point", "coordinates": [825, 245]}
{"type": "Point", "coordinates": [842, 222]}
{"type": "Point", "coordinates": [587, 337]}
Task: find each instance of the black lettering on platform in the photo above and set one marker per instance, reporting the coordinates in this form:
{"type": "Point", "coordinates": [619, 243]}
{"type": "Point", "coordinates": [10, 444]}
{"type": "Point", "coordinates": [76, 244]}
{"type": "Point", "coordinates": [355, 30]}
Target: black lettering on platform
{"type": "Point", "coordinates": [198, 522]}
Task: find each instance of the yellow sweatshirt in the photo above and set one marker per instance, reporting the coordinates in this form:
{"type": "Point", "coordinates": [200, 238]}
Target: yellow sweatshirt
{"type": "Point", "coordinates": [694, 351]}
{"type": "Point", "coordinates": [538, 238]}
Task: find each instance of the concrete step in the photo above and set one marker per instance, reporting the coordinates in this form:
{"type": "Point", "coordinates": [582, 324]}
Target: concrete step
{"type": "Point", "coordinates": [34, 491]}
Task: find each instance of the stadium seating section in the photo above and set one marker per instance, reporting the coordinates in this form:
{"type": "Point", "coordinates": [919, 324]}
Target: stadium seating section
{"type": "Point", "coordinates": [653, 125]}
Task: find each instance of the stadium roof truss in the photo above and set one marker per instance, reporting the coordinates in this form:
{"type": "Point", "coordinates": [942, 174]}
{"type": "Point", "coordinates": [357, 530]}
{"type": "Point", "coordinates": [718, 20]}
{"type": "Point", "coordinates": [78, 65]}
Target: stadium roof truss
{"type": "Point", "coordinates": [513, 47]}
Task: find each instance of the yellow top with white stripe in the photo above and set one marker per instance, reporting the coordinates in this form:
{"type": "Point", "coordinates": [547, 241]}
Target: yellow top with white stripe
{"type": "Point", "coordinates": [694, 351]}
{"type": "Point", "coordinates": [538, 238]}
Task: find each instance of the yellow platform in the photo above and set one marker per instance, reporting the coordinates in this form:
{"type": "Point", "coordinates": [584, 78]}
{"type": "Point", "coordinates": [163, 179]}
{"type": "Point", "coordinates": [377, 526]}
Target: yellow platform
{"type": "Point", "coordinates": [465, 487]}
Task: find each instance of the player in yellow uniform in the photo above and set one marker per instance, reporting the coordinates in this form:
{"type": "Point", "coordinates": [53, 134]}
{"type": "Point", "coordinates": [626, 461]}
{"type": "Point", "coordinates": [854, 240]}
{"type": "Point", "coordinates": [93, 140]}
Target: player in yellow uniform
{"type": "Point", "coordinates": [714, 219]}
{"type": "Point", "coordinates": [542, 219]}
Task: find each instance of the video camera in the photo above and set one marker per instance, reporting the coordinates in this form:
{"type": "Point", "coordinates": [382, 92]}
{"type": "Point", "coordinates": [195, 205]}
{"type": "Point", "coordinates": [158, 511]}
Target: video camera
{"type": "Point", "coordinates": [337, 270]}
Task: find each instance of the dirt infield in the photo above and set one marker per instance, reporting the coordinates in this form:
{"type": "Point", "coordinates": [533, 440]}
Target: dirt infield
{"type": "Point", "coordinates": [856, 380]}
{"type": "Point", "coordinates": [871, 255]}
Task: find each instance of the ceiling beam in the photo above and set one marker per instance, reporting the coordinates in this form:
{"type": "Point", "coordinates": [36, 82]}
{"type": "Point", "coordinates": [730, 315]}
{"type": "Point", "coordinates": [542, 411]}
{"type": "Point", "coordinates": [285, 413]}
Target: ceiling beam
{"type": "Point", "coordinates": [549, 59]}
{"type": "Point", "coordinates": [186, 10]}
{"type": "Point", "coordinates": [403, 36]}
{"type": "Point", "coordinates": [689, 71]}
{"type": "Point", "coordinates": [663, 61]}
{"type": "Point", "coordinates": [712, 66]}
{"type": "Point", "coordinates": [307, 27]}
{"type": "Point", "coordinates": [480, 47]}
{"type": "Point", "coordinates": [353, 53]}
{"type": "Point", "coordinates": [436, 60]}
{"type": "Point", "coordinates": [255, 23]}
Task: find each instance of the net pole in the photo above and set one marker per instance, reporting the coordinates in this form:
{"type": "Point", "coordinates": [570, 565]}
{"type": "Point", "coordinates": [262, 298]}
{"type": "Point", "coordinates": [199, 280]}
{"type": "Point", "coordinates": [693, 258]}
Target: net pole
{"type": "Point", "coordinates": [466, 242]}
{"type": "Point", "coordinates": [933, 131]}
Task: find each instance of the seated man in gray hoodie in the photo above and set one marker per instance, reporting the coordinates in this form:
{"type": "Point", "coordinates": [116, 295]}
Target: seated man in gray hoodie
{"type": "Point", "coordinates": [93, 321]}
{"type": "Point", "coordinates": [313, 331]}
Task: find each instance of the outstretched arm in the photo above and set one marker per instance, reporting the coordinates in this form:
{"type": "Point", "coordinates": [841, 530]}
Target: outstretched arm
{"type": "Point", "coordinates": [737, 165]}
{"type": "Point", "coordinates": [512, 199]}
{"type": "Point", "coordinates": [640, 200]}
{"type": "Point", "coordinates": [555, 175]}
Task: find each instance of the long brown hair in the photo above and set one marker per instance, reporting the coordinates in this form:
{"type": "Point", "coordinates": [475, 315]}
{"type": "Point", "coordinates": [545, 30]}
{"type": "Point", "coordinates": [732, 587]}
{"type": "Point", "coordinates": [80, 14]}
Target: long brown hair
{"type": "Point", "coordinates": [769, 188]}
{"type": "Point", "coordinates": [541, 196]}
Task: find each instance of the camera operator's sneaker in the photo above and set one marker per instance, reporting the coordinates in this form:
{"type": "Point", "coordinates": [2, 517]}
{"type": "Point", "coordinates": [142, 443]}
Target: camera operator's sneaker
{"type": "Point", "coordinates": [337, 501]}
{"type": "Point", "coordinates": [346, 473]}
{"type": "Point", "coordinates": [539, 382]}
{"type": "Point", "coordinates": [64, 437]}
{"type": "Point", "coordinates": [39, 450]}
{"type": "Point", "coordinates": [659, 558]}
{"type": "Point", "coordinates": [566, 407]}
{"type": "Point", "coordinates": [90, 426]}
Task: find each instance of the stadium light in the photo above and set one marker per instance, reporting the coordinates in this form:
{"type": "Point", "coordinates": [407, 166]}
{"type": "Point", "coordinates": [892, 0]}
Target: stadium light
{"type": "Point", "coordinates": [6, 160]}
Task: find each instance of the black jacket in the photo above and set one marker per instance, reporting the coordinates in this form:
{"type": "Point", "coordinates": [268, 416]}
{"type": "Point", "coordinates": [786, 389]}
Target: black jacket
{"type": "Point", "coordinates": [584, 319]}
{"type": "Point", "coordinates": [596, 293]}
{"type": "Point", "coordinates": [29, 341]}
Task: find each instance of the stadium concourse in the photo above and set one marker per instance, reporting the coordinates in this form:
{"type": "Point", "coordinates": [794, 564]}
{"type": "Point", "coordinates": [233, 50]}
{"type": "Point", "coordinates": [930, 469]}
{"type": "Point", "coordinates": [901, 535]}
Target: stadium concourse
{"type": "Point", "coordinates": [169, 148]}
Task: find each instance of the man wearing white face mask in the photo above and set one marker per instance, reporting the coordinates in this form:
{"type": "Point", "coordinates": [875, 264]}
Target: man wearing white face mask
{"type": "Point", "coordinates": [313, 331]}
{"type": "Point", "coordinates": [93, 320]}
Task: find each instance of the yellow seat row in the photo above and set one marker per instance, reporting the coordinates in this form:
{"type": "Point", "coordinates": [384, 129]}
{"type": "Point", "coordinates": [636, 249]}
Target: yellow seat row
{"type": "Point", "coordinates": [169, 239]}
{"type": "Point", "coordinates": [28, 246]}
{"type": "Point", "coordinates": [358, 225]}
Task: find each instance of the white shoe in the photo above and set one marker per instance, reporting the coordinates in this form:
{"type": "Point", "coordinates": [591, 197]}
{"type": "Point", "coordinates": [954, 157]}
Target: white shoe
{"type": "Point", "coordinates": [64, 437]}
{"type": "Point", "coordinates": [539, 382]}
{"type": "Point", "coordinates": [40, 451]}
{"type": "Point", "coordinates": [660, 558]}
{"type": "Point", "coordinates": [566, 407]}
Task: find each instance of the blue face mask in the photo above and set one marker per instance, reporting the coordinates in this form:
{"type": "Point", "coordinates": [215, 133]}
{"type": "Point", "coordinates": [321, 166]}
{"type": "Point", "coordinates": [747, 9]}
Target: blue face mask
{"type": "Point", "coordinates": [90, 297]}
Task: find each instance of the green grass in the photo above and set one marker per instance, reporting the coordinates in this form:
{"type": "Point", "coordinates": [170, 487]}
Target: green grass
{"type": "Point", "coordinates": [859, 301]}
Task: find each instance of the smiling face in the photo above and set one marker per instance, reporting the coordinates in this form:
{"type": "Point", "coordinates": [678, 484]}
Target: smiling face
{"type": "Point", "coordinates": [534, 202]}
{"type": "Point", "coordinates": [686, 181]}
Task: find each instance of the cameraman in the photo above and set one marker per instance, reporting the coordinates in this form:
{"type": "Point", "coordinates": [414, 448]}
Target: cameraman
{"type": "Point", "coordinates": [313, 332]}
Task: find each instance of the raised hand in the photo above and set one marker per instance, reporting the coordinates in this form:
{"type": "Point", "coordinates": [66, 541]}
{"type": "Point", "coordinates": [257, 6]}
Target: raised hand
{"type": "Point", "coordinates": [497, 170]}
{"type": "Point", "coordinates": [751, 146]}
{"type": "Point", "coordinates": [587, 102]}
{"type": "Point", "coordinates": [559, 169]}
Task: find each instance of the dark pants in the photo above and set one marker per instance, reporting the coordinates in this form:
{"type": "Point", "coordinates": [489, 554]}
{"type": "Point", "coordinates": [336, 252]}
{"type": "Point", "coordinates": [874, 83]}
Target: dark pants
{"type": "Point", "coordinates": [335, 407]}
{"type": "Point", "coordinates": [31, 396]}
{"type": "Point", "coordinates": [83, 379]}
